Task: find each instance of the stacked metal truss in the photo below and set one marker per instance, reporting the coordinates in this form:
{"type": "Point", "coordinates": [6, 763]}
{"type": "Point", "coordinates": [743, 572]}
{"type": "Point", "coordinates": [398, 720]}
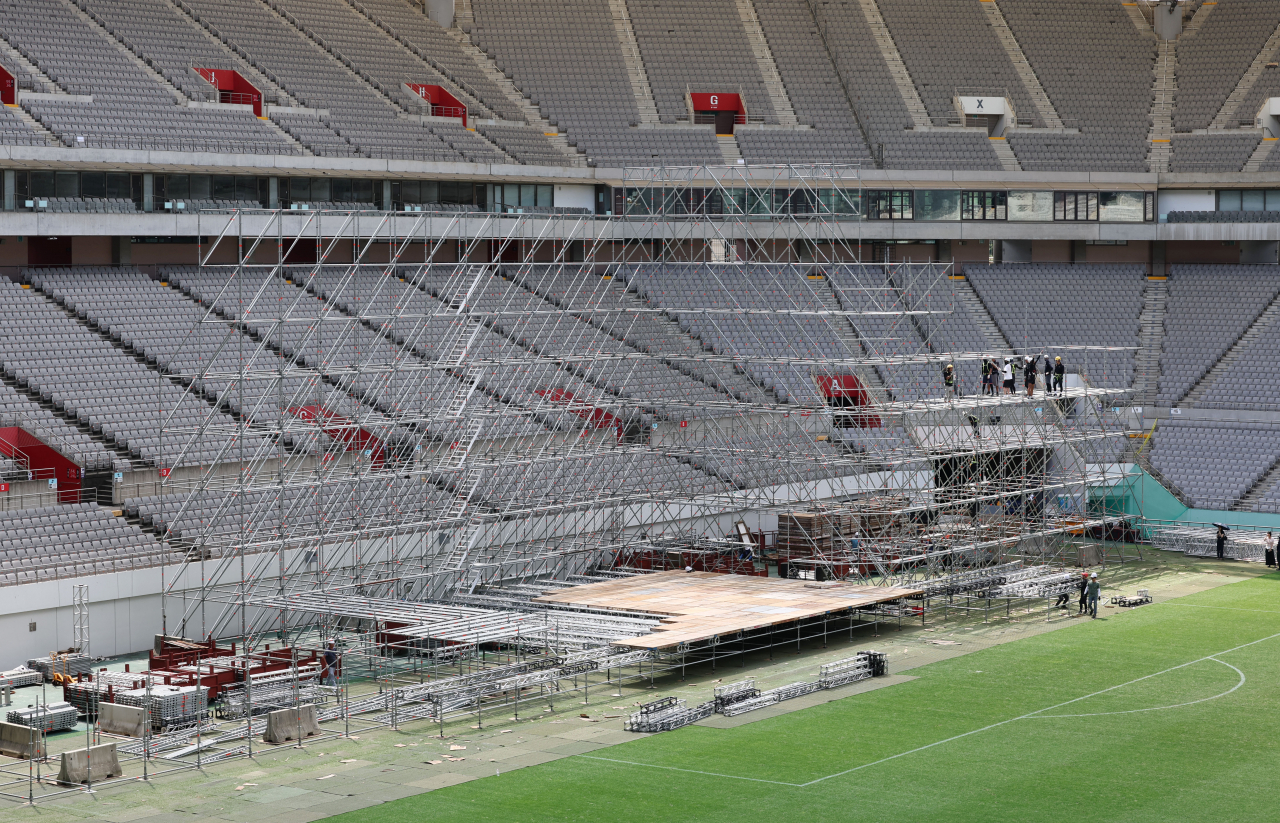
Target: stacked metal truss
{"type": "Point", "coordinates": [666, 714]}
{"type": "Point", "coordinates": [169, 705]}
{"type": "Point", "coordinates": [51, 717]}
{"type": "Point", "coordinates": [450, 378]}
{"type": "Point", "coordinates": [70, 664]}
{"type": "Point", "coordinates": [22, 676]}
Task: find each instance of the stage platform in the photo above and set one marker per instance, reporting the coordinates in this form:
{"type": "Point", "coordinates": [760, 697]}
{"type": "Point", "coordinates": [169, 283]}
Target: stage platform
{"type": "Point", "coordinates": [702, 606]}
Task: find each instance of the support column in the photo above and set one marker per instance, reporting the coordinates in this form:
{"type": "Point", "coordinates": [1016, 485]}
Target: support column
{"type": "Point", "coordinates": [273, 192]}
{"type": "Point", "coordinates": [10, 201]}
{"type": "Point", "coordinates": [122, 251]}
{"type": "Point", "coordinates": [148, 192]}
{"type": "Point", "coordinates": [386, 195]}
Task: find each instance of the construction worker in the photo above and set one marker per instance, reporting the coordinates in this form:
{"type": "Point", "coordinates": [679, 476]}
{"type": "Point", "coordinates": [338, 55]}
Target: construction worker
{"type": "Point", "coordinates": [1006, 375]}
{"type": "Point", "coordinates": [329, 674]}
{"type": "Point", "coordinates": [1059, 374]}
{"type": "Point", "coordinates": [1222, 542]}
{"type": "Point", "coordinates": [988, 375]}
{"type": "Point", "coordinates": [949, 379]}
{"type": "Point", "coordinates": [1094, 589]}
{"type": "Point", "coordinates": [1048, 374]}
{"type": "Point", "coordinates": [1083, 587]}
{"type": "Point", "coordinates": [1029, 375]}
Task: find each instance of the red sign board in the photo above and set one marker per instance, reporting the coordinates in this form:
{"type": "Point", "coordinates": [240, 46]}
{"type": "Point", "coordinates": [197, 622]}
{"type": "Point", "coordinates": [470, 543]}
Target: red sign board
{"type": "Point", "coordinates": [684, 424]}
{"type": "Point", "coordinates": [716, 101]}
{"type": "Point", "coordinates": [164, 472]}
{"type": "Point", "coordinates": [8, 88]}
{"type": "Point", "coordinates": [4, 487]}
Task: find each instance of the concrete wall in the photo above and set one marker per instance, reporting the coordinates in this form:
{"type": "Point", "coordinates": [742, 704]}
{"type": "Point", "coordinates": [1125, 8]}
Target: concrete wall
{"type": "Point", "coordinates": [1051, 251]}
{"type": "Point", "coordinates": [1136, 251]}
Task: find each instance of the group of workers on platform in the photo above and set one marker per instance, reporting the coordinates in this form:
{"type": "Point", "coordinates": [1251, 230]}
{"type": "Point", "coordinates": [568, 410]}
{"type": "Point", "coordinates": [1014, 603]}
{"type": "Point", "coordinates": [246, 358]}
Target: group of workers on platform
{"type": "Point", "coordinates": [993, 371]}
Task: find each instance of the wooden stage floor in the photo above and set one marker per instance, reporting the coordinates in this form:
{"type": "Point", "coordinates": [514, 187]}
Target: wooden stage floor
{"type": "Point", "coordinates": [700, 606]}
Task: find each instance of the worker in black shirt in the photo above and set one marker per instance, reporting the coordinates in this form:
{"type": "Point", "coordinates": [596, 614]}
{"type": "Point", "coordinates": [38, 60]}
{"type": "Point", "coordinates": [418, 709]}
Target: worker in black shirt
{"type": "Point", "coordinates": [1059, 374]}
{"type": "Point", "coordinates": [1222, 542]}
{"type": "Point", "coordinates": [949, 379]}
{"type": "Point", "coordinates": [1029, 375]}
{"type": "Point", "coordinates": [988, 374]}
{"type": "Point", "coordinates": [1048, 374]}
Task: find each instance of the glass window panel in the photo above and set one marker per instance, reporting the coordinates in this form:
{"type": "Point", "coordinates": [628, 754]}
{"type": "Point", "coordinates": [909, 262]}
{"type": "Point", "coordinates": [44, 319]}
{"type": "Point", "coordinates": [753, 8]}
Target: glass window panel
{"type": "Point", "coordinates": [68, 184]}
{"type": "Point", "coordinates": [1229, 201]}
{"type": "Point", "coordinates": [93, 184]}
{"type": "Point", "coordinates": [300, 188]}
{"type": "Point", "coordinates": [42, 184]}
{"type": "Point", "coordinates": [118, 185]}
{"type": "Point", "coordinates": [224, 187]}
{"type": "Point", "coordinates": [1031, 206]}
{"type": "Point", "coordinates": [362, 191]}
{"type": "Point", "coordinates": [938, 205]}
{"type": "Point", "coordinates": [1273, 200]}
{"type": "Point", "coordinates": [320, 190]}
{"type": "Point", "coordinates": [201, 187]}
{"type": "Point", "coordinates": [340, 191]}
{"type": "Point", "coordinates": [246, 188]}
{"type": "Point", "coordinates": [1253, 200]}
{"type": "Point", "coordinates": [177, 185]}
{"type": "Point", "coordinates": [545, 195]}
{"type": "Point", "coordinates": [1122, 206]}
{"type": "Point", "coordinates": [511, 196]}
{"type": "Point", "coordinates": [528, 196]}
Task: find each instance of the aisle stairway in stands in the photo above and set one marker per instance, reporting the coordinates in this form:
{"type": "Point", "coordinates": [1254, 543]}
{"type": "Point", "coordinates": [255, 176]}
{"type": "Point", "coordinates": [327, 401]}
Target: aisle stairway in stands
{"type": "Point", "coordinates": [640, 87]}
{"type": "Point", "coordinates": [532, 113]}
{"type": "Point", "coordinates": [1164, 89]}
{"type": "Point", "coordinates": [843, 326]}
{"type": "Point", "coordinates": [901, 77]}
{"type": "Point", "coordinates": [996, 342]}
{"type": "Point", "coordinates": [1230, 115]}
{"type": "Point", "coordinates": [1146, 373]}
{"type": "Point", "coordinates": [1256, 328]}
{"type": "Point", "coordinates": [764, 60]}
{"type": "Point", "coordinates": [1008, 160]}
{"type": "Point", "coordinates": [1044, 106]}
{"type": "Point", "coordinates": [1260, 489]}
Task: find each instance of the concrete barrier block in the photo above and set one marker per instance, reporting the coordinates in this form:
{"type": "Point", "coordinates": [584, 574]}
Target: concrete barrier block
{"type": "Point", "coordinates": [20, 741]}
{"type": "Point", "coordinates": [76, 764]}
{"type": "Point", "coordinates": [123, 720]}
{"type": "Point", "coordinates": [288, 724]}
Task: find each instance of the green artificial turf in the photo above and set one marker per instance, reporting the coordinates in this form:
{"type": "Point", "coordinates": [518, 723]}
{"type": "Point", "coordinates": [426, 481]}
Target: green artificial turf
{"type": "Point", "coordinates": [990, 736]}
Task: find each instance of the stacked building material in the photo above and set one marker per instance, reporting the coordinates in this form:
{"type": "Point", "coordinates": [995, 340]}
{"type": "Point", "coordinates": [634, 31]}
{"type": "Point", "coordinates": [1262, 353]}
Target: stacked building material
{"type": "Point", "coordinates": [170, 705]}
{"type": "Point", "coordinates": [70, 664]}
{"type": "Point", "coordinates": [804, 534]}
{"type": "Point", "coordinates": [52, 717]}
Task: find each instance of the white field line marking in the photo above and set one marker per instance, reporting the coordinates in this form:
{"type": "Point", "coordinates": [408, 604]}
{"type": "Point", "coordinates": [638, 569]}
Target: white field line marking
{"type": "Point", "coordinates": [1222, 608]}
{"type": "Point", "coordinates": [691, 771]}
{"type": "Point", "coordinates": [1026, 716]}
{"type": "Point", "coordinates": [1041, 711]}
{"type": "Point", "coordinates": [1157, 708]}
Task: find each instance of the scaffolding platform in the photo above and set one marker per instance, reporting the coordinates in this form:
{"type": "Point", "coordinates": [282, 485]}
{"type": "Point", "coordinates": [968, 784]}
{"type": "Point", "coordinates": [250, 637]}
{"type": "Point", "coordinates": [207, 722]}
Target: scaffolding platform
{"type": "Point", "coordinates": [701, 606]}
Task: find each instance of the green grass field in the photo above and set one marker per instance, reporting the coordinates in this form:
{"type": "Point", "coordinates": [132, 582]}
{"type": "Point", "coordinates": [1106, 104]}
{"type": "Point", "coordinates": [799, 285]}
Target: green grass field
{"type": "Point", "coordinates": [1169, 712]}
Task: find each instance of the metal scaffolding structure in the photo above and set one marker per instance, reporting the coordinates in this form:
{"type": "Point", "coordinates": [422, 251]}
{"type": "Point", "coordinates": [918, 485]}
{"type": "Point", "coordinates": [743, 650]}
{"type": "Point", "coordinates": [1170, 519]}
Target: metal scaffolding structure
{"type": "Point", "coordinates": [442, 407]}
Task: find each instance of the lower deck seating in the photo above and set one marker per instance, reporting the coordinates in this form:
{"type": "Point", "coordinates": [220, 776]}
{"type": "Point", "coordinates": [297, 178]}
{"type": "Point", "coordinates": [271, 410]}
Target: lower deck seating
{"type": "Point", "coordinates": [69, 541]}
{"type": "Point", "coordinates": [1214, 464]}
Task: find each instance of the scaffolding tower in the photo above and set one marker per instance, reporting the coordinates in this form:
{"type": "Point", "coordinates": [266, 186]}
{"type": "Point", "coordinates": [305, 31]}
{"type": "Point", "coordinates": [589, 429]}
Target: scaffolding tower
{"type": "Point", "coordinates": [438, 407]}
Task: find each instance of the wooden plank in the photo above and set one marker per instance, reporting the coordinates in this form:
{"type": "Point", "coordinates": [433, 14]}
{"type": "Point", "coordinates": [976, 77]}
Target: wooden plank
{"type": "Point", "coordinates": [699, 606]}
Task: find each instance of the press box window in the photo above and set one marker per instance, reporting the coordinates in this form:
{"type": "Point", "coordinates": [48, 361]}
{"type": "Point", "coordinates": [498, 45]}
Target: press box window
{"type": "Point", "coordinates": [985, 205]}
{"type": "Point", "coordinates": [1075, 205]}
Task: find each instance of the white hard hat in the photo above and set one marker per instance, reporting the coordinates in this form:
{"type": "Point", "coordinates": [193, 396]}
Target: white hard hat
{"type": "Point", "coordinates": [1095, 574]}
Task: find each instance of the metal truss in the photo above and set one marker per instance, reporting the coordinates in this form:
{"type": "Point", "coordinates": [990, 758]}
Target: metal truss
{"type": "Point", "coordinates": [437, 407]}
